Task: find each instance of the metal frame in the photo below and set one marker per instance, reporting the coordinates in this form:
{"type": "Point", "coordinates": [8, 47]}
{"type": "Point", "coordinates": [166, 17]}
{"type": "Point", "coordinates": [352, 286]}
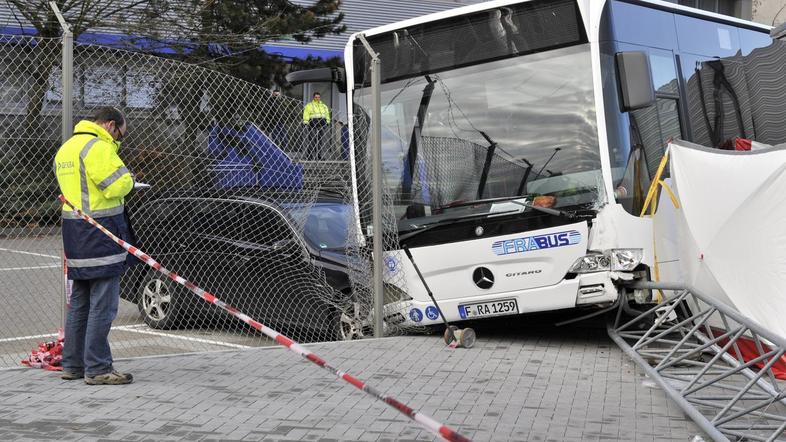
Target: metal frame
{"type": "Point", "coordinates": [690, 346]}
{"type": "Point", "coordinates": [376, 164]}
{"type": "Point", "coordinates": [68, 113]}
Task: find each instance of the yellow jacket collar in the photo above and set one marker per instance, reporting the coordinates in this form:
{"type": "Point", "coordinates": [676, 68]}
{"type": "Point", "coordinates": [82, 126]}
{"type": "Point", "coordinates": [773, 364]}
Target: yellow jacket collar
{"type": "Point", "coordinates": [91, 127]}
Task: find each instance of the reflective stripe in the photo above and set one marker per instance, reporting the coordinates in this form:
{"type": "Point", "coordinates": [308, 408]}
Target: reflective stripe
{"type": "Point", "coordinates": [108, 181]}
{"type": "Point", "coordinates": [95, 214]}
{"type": "Point", "coordinates": [95, 262]}
{"type": "Point", "coordinates": [83, 174]}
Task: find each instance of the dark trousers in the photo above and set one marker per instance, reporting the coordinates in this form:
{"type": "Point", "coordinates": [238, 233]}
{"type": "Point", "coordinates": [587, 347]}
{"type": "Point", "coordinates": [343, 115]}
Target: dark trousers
{"type": "Point", "coordinates": [319, 139]}
{"type": "Point", "coordinates": [93, 307]}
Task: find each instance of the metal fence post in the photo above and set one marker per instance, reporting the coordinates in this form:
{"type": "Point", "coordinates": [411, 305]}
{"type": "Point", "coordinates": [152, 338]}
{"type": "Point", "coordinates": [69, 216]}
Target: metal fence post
{"type": "Point", "coordinates": [67, 74]}
{"type": "Point", "coordinates": [67, 102]}
{"type": "Point", "coordinates": [376, 177]}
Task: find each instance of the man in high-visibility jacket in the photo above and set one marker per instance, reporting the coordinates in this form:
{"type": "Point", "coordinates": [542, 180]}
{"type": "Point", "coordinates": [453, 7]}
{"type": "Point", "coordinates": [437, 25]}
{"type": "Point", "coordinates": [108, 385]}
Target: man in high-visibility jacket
{"type": "Point", "coordinates": [316, 115]}
{"type": "Point", "coordinates": [93, 178]}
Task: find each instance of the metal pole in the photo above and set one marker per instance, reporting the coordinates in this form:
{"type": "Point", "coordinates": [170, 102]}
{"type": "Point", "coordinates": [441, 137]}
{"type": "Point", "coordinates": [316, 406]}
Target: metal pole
{"type": "Point", "coordinates": [67, 78]}
{"type": "Point", "coordinates": [376, 178]}
{"type": "Point", "coordinates": [68, 74]}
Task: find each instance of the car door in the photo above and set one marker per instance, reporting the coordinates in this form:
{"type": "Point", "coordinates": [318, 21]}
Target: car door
{"type": "Point", "coordinates": [282, 285]}
{"type": "Point", "coordinates": [209, 248]}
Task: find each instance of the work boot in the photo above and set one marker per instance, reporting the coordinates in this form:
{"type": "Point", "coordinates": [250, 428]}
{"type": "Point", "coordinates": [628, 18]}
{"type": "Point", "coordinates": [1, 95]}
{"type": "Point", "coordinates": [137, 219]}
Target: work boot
{"type": "Point", "coordinates": [111, 378]}
{"type": "Point", "coordinates": [70, 376]}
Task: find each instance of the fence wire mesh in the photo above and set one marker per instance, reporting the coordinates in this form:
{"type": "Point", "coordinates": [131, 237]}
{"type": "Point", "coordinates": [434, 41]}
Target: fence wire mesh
{"type": "Point", "coordinates": [241, 197]}
{"type": "Point", "coordinates": [30, 250]}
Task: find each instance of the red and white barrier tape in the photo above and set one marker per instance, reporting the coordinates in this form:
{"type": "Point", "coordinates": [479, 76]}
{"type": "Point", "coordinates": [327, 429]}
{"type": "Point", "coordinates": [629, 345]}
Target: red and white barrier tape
{"type": "Point", "coordinates": [427, 422]}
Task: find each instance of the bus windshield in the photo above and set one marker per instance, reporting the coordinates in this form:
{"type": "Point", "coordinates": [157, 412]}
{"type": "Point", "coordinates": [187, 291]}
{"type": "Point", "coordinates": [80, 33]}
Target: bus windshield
{"type": "Point", "coordinates": [512, 114]}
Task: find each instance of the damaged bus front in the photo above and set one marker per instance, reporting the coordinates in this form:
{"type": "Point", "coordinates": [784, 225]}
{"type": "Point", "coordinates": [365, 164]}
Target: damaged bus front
{"type": "Point", "coordinates": [518, 142]}
{"type": "Point", "coordinates": [492, 162]}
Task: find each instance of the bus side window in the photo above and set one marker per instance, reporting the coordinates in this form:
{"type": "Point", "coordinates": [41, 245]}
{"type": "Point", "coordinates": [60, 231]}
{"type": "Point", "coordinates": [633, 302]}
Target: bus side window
{"type": "Point", "coordinates": [651, 128]}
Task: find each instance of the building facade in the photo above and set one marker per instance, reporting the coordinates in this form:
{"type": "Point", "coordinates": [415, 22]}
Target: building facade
{"type": "Point", "coordinates": [768, 12]}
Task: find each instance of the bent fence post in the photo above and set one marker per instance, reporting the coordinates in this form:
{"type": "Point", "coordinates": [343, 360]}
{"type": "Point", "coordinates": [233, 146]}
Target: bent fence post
{"type": "Point", "coordinates": [692, 346]}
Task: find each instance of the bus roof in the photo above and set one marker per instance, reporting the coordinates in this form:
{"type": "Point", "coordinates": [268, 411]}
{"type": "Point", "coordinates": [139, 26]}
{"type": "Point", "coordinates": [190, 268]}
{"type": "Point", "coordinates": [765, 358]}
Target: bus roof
{"type": "Point", "coordinates": [657, 4]}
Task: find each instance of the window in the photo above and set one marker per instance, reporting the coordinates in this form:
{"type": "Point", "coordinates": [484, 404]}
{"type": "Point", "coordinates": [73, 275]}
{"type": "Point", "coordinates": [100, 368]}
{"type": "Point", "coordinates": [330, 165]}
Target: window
{"type": "Point", "coordinates": [725, 7]}
{"type": "Point", "coordinates": [264, 225]}
{"type": "Point", "coordinates": [141, 89]}
{"type": "Point", "coordinates": [651, 129]}
{"type": "Point", "coordinates": [103, 86]}
{"type": "Point", "coordinates": [216, 218]}
{"type": "Point", "coordinates": [326, 225]}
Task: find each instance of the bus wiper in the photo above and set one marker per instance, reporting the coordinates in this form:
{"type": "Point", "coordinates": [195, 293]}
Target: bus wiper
{"type": "Point", "coordinates": [556, 149]}
{"type": "Point", "coordinates": [415, 141]}
{"type": "Point", "coordinates": [492, 147]}
{"type": "Point", "coordinates": [515, 200]}
{"type": "Point", "coordinates": [448, 221]}
{"type": "Point", "coordinates": [550, 211]}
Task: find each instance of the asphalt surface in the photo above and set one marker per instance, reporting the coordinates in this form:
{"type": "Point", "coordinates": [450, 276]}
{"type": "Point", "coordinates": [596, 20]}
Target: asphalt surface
{"type": "Point", "coordinates": [517, 384]}
{"type": "Point", "coordinates": [524, 380]}
{"type": "Point", "coordinates": [32, 310]}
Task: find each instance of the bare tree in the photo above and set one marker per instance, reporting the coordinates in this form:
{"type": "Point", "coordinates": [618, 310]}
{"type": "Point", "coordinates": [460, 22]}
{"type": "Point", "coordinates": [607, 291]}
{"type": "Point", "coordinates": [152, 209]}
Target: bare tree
{"type": "Point", "coordinates": [82, 15]}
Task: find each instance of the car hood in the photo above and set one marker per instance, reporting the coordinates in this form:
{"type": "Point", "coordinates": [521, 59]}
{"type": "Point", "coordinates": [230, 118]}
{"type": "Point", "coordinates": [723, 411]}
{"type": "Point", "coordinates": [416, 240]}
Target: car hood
{"type": "Point", "coordinates": [341, 258]}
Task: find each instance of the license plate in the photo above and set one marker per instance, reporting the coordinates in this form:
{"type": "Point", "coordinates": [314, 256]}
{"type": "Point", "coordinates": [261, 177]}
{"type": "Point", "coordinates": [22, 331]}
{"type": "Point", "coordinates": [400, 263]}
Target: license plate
{"type": "Point", "coordinates": [490, 308]}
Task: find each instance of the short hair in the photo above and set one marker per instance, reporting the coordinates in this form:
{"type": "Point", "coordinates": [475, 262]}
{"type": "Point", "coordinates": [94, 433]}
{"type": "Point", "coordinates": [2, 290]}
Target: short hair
{"type": "Point", "coordinates": [316, 93]}
{"type": "Point", "coordinates": [109, 113]}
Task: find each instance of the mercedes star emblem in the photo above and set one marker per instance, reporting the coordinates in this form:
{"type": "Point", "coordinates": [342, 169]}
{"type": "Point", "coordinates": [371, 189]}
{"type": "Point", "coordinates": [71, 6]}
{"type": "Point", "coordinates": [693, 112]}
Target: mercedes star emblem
{"type": "Point", "coordinates": [483, 278]}
{"type": "Point", "coordinates": [479, 231]}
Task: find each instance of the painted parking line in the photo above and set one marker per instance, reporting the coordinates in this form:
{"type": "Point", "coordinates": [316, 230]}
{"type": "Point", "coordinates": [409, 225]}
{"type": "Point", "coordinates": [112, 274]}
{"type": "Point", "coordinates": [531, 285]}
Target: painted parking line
{"type": "Point", "coordinates": [25, 338]}
{"type": "Point", "coordinates": [135, 328]}
{"type": "Point", "coordinates": [29, 253]}
{"type": "Point", "coordinates": [11, 269]}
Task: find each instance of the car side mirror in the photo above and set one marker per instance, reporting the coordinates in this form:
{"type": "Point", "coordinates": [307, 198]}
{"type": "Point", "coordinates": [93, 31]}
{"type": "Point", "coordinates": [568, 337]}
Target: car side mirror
{"type": "Point", "coordinates": [634, 77]}
{"type": "Point", "coordinates": [284, 244]}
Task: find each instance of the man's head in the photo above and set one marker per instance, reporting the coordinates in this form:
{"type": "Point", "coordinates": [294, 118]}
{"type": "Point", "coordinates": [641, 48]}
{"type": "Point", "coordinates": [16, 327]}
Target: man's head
{"type": "Point", "coordinates": [317, 96]}
{"type": "Point", "coordinates": [111, 119]}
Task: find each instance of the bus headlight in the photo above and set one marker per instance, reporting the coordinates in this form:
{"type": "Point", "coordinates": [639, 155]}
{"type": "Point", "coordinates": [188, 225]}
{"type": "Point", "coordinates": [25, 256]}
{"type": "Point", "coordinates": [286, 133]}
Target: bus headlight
{"type": "Point", "coordinates": [616, 260]}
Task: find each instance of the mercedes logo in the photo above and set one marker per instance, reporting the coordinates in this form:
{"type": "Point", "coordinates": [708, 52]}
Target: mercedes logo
{"type": "Point", "coordinates": [479, 231]}
{"type": "Point", "coordinates": [483, 278]}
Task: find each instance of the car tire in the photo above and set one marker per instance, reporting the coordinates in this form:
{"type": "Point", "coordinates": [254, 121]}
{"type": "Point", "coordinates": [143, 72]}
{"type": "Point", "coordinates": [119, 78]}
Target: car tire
{"type": "Point", "coordinates": [161, 301]}
{"type": "Point", "coordinates": [349, 322]}
{"type": "Point", "coordinates": [354, 318]}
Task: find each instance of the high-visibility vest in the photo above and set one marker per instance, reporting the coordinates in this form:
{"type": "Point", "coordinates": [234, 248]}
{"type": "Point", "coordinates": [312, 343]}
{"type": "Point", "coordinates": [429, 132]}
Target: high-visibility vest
{"type": "Point", "coordinates": [93, 177]}
{"type": "Point", "coordinates": [316, 109]}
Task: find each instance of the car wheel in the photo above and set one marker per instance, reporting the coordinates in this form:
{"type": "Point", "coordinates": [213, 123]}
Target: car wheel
{"type": "Point", "coordinates": [160, 301]}
{"type": "Point", "coordinates": [352, 321]}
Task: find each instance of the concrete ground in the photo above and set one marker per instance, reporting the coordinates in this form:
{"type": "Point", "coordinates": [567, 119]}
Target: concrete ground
{"type": "Point", "coordinates": [568, 384]}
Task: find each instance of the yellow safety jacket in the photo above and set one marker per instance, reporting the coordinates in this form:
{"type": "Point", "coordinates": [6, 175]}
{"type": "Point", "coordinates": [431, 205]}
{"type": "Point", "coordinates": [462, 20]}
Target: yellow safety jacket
{"type": "Point", "coordinates": [315, 109]}
{"type": "Point", "coordinates": [93, 177]}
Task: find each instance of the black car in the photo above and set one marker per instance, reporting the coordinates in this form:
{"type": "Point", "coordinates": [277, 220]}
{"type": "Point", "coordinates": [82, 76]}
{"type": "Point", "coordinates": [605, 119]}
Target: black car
{"type": "Point", "coordinates": [279, 260]}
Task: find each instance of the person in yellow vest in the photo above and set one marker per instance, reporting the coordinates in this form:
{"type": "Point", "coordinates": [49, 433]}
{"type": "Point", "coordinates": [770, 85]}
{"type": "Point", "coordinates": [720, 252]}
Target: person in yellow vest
{"type": "Point", "coordinates": [92, 177]}
{"type": "Point", "coordinates": [316, 115]}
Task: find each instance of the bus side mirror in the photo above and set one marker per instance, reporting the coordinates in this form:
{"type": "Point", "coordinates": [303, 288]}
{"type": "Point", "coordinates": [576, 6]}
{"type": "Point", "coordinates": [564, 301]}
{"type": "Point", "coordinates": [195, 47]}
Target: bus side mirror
{"type": "Point", "coordinates": [321, 75]}
{"type": "Point", "coordinates": [635, 80]}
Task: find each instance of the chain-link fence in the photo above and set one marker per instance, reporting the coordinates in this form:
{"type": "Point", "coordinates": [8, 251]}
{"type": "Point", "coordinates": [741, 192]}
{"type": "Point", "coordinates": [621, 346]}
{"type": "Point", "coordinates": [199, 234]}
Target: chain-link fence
{"type": "Point", "coordinates": [240, 195]}
{"type": "Point", "coordinates": [30, 249]}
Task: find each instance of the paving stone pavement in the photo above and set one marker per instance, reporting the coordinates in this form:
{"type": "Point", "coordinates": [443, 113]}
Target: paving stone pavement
{"type": "Point", "coordinates": [531, 386]}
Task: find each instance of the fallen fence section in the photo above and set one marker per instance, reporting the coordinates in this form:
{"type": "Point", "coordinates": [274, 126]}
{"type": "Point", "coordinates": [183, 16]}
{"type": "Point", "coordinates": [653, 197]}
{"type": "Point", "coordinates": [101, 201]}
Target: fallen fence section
{"type": "Point", "coordinates": [720, 367]}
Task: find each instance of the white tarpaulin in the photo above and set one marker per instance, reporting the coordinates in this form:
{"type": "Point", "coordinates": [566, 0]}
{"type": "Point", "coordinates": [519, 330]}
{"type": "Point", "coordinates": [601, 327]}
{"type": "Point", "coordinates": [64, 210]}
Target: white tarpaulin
{"type": "Point", "coordinates": [732, 227]}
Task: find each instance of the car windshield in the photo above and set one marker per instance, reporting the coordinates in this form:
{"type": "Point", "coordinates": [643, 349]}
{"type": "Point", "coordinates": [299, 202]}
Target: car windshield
{"type": "Point", "coordinates": [326, 224]}
{"type": "Point", "coordinates": [519, 123]}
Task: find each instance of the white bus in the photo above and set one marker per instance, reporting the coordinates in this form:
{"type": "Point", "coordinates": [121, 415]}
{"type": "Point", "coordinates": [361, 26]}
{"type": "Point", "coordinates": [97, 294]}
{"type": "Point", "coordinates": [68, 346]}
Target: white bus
{"type": "Point", "coordinates": [492, 112]}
